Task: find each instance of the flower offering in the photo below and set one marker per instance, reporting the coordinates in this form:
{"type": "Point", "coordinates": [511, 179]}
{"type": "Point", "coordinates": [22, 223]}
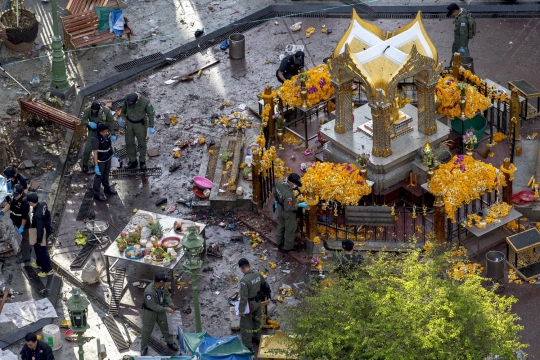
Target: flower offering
{"type": "Point", "coordinates": [448, 90]}
{"type": "Point", "coordinates": [318, 85]}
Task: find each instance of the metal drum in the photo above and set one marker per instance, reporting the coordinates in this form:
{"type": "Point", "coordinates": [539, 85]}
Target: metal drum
{"type": "Point", "coordinates": [495, 265]}
{"type": "Point", "coordinates": [237, 46]}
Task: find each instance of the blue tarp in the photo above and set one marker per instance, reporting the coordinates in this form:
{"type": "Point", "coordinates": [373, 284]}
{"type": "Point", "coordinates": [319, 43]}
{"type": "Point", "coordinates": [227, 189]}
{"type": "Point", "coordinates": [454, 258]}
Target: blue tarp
{"type": "Point", "coordinates": [211, 348]}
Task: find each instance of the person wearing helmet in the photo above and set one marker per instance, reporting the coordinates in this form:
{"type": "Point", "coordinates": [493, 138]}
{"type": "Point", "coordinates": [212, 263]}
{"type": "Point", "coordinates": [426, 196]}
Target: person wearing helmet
{"type": "Point", "coordinates": [20, 216]}
{"type": "Point", "coordinates": [41, 221]}
{"type": "Point", "coordinates": [15, 178]}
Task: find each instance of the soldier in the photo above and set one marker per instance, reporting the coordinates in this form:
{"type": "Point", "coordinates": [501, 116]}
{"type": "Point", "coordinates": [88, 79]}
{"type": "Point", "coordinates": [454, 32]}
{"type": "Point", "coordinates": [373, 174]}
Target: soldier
{"type": "Point", "coordinates": [41, 220]}
{"type": "Point", "coordinates": [250, 322]}
{"type": "Point", "coordinates": [156, 303]}
{"type": "Point", "coordinates": [92, 116]}
{"type": "Point", "coordinates": [136, 109]}
{"type": "Point", "coordinates": [463, 29]}
{"type": "Point", "coordinates": [15, 178]}
{"type": "Point", "coordinates": [103, 153]}
{"type": "Point", "coordinates": [20, 216]}
{"type": "Point", "coordinates": [285, 205]}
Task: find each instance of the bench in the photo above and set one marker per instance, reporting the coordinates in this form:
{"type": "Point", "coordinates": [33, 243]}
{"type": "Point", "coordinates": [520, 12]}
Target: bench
{"type": "Point", "coordinates": [34, 107]}
{"type": "Point", "coordinates": [79, 6]}
{"type": "Point", "coordinates": [81, 30]}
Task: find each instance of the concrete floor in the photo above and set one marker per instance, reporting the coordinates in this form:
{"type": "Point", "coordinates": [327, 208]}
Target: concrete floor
{"type": "Point", "coordinates": [504, 49]}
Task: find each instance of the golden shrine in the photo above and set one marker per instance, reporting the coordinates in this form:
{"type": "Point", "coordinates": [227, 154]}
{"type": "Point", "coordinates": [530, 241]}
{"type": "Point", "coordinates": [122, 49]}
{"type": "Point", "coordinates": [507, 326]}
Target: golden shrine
{"type": "Point", "coordinates": [380, 60]}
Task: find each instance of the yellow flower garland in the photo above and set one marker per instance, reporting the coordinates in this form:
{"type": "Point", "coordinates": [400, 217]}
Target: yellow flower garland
{"type": "Point", "coordinates": [448, 93]}
{"type": "Point", "coordinates": [319, 86]}
{"type": "Point", "coordinates": [463, 180]}
{"type": "Point", "coordinates": [335, 182]}
{"type": "Point", "coordinates": [510, 171]}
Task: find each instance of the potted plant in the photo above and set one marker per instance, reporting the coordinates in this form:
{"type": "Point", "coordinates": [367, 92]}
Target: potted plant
{"type": "Point", "coordinates": [18, 27]}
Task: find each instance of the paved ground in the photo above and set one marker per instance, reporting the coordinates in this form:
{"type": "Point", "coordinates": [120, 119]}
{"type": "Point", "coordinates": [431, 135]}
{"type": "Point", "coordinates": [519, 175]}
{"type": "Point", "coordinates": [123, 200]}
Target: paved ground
{"type": "Point", "coordinates": [505, 49]}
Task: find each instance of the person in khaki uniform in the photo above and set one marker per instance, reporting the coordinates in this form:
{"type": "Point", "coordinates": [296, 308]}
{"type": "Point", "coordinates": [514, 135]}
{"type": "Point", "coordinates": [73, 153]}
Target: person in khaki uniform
{"type": "Point", "coordinates": [285, 204]}
{"type": "Point", "coordinates": [92, 116]}
{"type": "Point", "coordinates": [137, 109]}
{"type": "Point", "coordinates": [157, 303]}
{"type": "Point", "coordinates": [250, 322]}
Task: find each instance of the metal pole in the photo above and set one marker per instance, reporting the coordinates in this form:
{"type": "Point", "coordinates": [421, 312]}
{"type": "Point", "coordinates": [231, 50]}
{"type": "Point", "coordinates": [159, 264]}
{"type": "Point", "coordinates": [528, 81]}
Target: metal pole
{"type": "Point", "coordinates": [81, 343]}
{"type": "Point", "coordinates": [12, 78]}
{"type": "Point", "coordinates": [59, 72]}
{"type": "Point", "coordinates": [195, 288]}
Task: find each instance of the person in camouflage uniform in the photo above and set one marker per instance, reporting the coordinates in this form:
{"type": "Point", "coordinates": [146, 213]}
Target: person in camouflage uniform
{"type": "Point", "coordinates": [461, 29]}
{"type": "Point", "coordinates": [157, 303]}
{"type": "Point", "coordinates": [285, 205]}
{"type": "Point", "coordinates": [137, 109]}
{"type": "Point", "coordinates": [93, 115]}
{"type": "Point", "coordinates": [250, 322]}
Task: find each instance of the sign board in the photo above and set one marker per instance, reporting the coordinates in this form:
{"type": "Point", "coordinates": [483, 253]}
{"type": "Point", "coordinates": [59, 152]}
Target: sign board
{"type": "Point", "coordinates": [369, 215]}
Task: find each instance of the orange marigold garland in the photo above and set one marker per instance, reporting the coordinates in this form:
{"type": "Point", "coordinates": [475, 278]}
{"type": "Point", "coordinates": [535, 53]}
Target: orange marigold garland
{"type": "Point", "coordinates": [448, 93]}
{"type": "Point", "coordinates": [318, 84]}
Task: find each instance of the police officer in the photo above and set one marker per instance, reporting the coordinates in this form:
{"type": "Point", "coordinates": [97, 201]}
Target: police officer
{"type": "Point", "coordinates": [20, 216]}
{"type": "Point", "coordinates": [12, 174]}
{"type": "Point", "coordinates": [156, 304]}
{"type": "Point", "coordinates": [136, 109]}
{"type": "Point", "coordinates": [290, 66]}
{"type": "Point", "coordinates": [103, 153]}
{"type": "Point", "coordinates": [461, 29]}
{"type": "Point", "coordinates": [250, 322]}
{"type": "Point", "coordinates": [92, 116]}
{"type": "Point", "coordinates": [285, 204]}
{"type": "Point", "coordinates": [41, 221]}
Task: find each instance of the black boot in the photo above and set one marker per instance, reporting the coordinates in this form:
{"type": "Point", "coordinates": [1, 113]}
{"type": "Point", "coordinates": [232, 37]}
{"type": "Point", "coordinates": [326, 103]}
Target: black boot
{"type": "Point", "coordinates": [100, 197]}
{"type": "Point", "coordinates": [142, 165]}
{"type": "Point", "coordinates": [84, 169]}
{"type": "Point", "coordinates": [111, 191]}
{"type": "Point", "coordinates": [173, 347]}
{"type": "Point", "coordinates": [132, 165]}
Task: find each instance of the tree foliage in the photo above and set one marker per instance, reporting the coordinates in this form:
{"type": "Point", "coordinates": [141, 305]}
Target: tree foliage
{"type": "Point", "coordinates": [405, 307]}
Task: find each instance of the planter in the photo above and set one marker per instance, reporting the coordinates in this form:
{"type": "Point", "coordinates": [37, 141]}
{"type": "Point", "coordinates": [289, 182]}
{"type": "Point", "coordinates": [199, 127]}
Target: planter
{"type": "Point", "coordinates": [18, 38]}
{"type": "Point", "coordinates": [478, 123]}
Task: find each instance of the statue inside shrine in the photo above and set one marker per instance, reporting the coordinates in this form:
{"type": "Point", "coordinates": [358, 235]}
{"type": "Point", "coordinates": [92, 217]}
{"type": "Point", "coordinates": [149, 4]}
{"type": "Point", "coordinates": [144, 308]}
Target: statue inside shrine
{"type": "Point", "coordinates": [400, 100]}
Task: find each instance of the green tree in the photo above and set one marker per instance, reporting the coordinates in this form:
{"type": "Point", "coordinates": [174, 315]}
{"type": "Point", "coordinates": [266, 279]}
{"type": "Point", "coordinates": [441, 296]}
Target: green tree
{"type": "Point", "coordinates": [405, 307]}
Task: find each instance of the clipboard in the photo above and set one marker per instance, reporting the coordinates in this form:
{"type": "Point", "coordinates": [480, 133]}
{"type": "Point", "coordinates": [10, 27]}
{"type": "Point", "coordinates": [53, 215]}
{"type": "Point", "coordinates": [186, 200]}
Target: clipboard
{"type": "Point", "coordinates": [32, 237]}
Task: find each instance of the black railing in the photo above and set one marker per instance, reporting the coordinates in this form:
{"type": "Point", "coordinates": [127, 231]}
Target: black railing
{"type": "Point", "coordinates": [267, 184]}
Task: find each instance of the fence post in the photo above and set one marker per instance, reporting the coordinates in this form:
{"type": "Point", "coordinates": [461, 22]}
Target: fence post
{"type": "Point", "coordinates": [515, 109]}
{"type": "Point", "coordinates": [268, 98]}
{"type": "Point", "coordinates": [439, 218]}
{"type": "Point", "coordinates": [507, 190]}
{"type": "Point", "coordinates": [456, 64]}
{"type": "Point", "coordinates": [255, 177]}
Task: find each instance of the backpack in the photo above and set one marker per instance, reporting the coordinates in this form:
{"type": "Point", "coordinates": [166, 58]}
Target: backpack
{"type": "Point", "coordinates": [265, 292]}
{"type": "Point", "coordinates": [471, 24]}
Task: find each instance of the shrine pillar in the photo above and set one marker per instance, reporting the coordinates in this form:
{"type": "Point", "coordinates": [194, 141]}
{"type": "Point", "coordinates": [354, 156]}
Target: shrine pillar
{"type": "Point", "coordinates": [255, 176]}
{"type": "Point", "coordinates": [268, 97]}
{"type": "Point", "coordinates": [456, 64]}
{"type": "Point", "coordinates": [343, 93]}
{"type": "Point", "coordinates": [427, 123]}
{"type": "Point", "coordinates": [507, 189]}
{"type": "Point", "coordinates": [439, 219]}
{"type": "Point", "coordinates": [515, 108]}
{"type": "Point", "coordinates": [380, 113]}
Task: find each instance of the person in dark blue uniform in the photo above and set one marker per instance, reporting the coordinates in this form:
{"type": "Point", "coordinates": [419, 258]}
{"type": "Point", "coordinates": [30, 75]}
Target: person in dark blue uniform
{"type": "Point", "coordinates": [15, 178]}
{"type": "Point", "coordinates": [36, 349]}
{"type": "Point", "coordinates": [103, 153]}
{"type": "Point", "coordinates": [20, 216]}
{"type": "Point", "coordinates": [41, 221]}
{"type": "Point", "coordinates": [290, 66]}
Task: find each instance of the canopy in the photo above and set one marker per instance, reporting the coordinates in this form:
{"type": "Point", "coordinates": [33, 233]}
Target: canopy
{"type": "Point", "coordinates": [210, 348]}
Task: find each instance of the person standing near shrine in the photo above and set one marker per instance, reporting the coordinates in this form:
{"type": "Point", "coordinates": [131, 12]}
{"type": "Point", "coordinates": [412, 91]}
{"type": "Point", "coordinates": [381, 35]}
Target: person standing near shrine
{"type": "Point", "coordinates": [92, 116]}
{"type": "Point", "coordinates": [103, 153]}
{"type": "Point", "coordinates": [290, 66]}
{"type": "Point", "coordinates": [137, 109]}
{"type": "Point", "coordinates": [41, 221]}
{"type": "Point", "coordinates": [20, 216]}
{"type": "Point", "coordinates": [35, 349]}
{"type": "Point", "coordinates": [464, 29]}
{"type": "Point", "coordinates": [157, 303]}
{"type": "Point", "coordinates": [250, 321]}
{"type": "Point", "coordinates": [286, 206]}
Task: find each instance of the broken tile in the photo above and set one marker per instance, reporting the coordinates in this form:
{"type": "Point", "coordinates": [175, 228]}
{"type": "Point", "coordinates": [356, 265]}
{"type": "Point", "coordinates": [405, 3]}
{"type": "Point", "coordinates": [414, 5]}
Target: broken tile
{"type": "Point", "coordinates": [152, 152]}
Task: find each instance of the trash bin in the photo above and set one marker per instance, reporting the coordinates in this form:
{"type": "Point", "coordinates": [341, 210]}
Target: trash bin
{"type": "Point", "coordinates": [478, 123]}
{"type": "Point", "coordinates": [468, 63]}
{"type": "Point", "coordinates": [237, 46]}
{"type": "Point", "coordinates": [495, 265]}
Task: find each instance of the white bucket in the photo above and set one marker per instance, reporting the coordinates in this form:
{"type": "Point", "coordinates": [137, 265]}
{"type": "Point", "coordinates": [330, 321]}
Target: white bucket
{"type": "Point", "coordinates": [51, 335]}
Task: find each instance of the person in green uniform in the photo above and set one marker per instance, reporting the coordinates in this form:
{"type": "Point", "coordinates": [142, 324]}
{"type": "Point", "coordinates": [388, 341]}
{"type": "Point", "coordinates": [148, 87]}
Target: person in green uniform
{"type": "Point", "coordinates": [461, 30]}
{"type": "Point", "coordinates": [250, 318]}
{"type": "Point", "coordinates": [286, 206]}
{"type": "Point", "coordinates": [157, 303]}
{"type": "Point", "coordinates": [136, 109]}
{"type": "Point", "coordinates": [92, 116]}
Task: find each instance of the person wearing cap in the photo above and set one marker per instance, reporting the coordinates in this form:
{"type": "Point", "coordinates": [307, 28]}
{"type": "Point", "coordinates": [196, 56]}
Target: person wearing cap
{"type": "Point", "coordinates": [157, 303]}
{"type": "Point", "coordinates": [250, 321]}
{"type": "Point", "coordinates": [12, 174]}
{"type": "Point", "coordinates": [41, 221]}
{"type": "Point", "coordinates": [285, 204]}
{"type": "Point", "coordinates": [136, 109]}
{"type": "Point", "coordinates": [20, 216]}
{"type": "Point", "coordinates": [92, 116]}
{"type": "Point", "coordinates": [461, 29]}
{"type": "Point", "coordinates": [103, 153]}
{"type": "Point", "coordinates": [290, 66]}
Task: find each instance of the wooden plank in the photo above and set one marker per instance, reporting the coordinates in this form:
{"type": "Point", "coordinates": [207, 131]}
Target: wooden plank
{"type": "Point", "coordinates": [369, 215]}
